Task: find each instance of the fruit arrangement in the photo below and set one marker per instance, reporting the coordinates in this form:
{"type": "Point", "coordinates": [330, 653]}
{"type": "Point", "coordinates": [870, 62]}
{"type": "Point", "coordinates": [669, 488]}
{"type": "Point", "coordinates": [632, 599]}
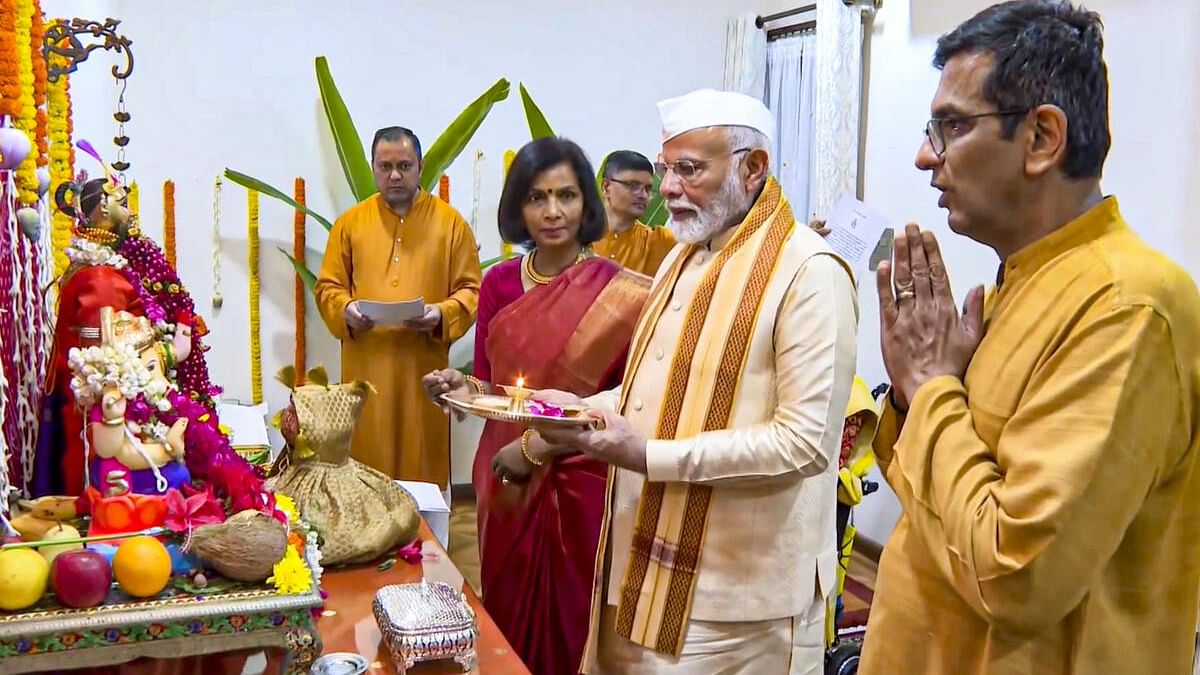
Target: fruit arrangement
{"type": "Point", "coordinates": [46, 563]}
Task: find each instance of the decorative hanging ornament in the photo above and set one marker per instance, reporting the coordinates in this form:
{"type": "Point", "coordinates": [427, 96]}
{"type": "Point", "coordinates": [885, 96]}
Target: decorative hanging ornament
{"type": "Point", "coordinates": [217, 301]}
{"type": "Point", "coordinates": [14, 148]}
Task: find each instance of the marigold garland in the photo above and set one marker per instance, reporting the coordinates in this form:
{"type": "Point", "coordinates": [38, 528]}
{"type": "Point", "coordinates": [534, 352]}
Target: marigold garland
{"type": "Point", "coordinates": [37, 38]}
{"type": "Point", "coordinates": [10, 84]}
{"type": "Point", "coordinates": [298, 223]}
{"type": "Point", "coordinates": [25, 118]}
{"type": "Point", "coordinates": [169, 222]}
{"type": "Point", "coordinates": [252, 263]}
{"type": "Point", "coordinates": [506, 249]}
{"type": "Point", "coordinates": [444, 188]}
{"type": "Point", "coordinates": [62, 160]}
{"type": "Point", "coordinates": [134, 199]}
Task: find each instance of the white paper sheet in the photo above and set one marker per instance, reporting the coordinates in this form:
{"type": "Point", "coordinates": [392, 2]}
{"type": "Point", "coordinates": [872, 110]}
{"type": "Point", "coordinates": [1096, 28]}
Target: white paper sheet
{"type": "Point", "coordinates": [855, 230]}
{"type": "Point", "coordinates": [247, 422]}
{"type": "Point", "coordinates": [392, 313]}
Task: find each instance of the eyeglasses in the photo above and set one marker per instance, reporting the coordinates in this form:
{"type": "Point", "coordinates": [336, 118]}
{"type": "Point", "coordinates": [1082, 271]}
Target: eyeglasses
{"type": "Point", "coordinates": [936, 128]}
{"type": "Point", "coordinates": [633, 186]}
{"type": "Point", "coordinates": [689, 169]}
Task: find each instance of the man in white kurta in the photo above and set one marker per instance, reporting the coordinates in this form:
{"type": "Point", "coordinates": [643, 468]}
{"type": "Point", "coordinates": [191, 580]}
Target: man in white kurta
{"type": "Point", "coordinates": [718, 553]}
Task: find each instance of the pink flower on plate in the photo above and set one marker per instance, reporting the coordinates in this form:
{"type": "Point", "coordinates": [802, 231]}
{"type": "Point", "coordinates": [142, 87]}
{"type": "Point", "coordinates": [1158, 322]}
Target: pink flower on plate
{"type": "Point", "coordinates": [545, 409]}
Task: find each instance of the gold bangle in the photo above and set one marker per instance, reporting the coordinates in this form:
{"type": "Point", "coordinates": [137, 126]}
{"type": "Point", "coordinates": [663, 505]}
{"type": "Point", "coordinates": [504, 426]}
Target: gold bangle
{"type": "Point", "coordinates": [476, 384]}
{"type": "Point", "coordinates": [115, 422]}
{"type": "Point", "coordinates": [525, 448]}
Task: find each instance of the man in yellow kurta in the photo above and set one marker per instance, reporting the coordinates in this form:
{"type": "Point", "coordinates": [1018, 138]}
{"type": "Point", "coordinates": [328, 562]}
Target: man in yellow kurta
{"type": "Point", "coordinates": [1047, 461]}
{"type": "Point", "coordinates": [630, 242]}
{"type": "Point", "coordinates": [400, 244]}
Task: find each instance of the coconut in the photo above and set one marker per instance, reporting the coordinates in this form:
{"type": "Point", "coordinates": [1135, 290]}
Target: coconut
{"type": "Point", "coordinates": [243, 548]}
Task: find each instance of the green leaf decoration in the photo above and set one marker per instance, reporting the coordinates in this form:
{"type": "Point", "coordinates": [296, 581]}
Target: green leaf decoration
{"type": "Point", "coordinates": [656, 211]}
{"type": "Point", "coordinates": [252, 183]}
{"type": "Point", "coordinates": [306, 275]}
{"type": "Point", "coordinates": [345, 136]}
{"type": "Point", "coordinates": [450, 144]}
{"type": "Point", "coordinates": [538, 126]}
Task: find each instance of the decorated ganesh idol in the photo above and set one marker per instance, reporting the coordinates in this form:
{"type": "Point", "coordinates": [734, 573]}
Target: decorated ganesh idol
{"type": "Point", "coordinates": [123, 389]}
{"type": "Point", "coordinates": [114, 265]}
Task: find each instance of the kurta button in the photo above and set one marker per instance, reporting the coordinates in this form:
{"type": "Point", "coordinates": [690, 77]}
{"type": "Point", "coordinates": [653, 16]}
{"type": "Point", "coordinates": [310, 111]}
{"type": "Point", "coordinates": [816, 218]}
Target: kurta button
{"type": "Point", "coordinates": [638, 405]}
{"type": "Point", "coordinates": [395, 283]}
{"type": "Point", "coordinates": [396, 259]}
{"type": "Point", "coordinates": [658, 354]}
{"type": "Point", "coordinates": [676, 306]}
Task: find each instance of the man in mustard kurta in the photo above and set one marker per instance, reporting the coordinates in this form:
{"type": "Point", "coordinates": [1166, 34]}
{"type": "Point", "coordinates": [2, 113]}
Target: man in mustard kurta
{"type": "Point", "coordinates": [1043, 444]}
{"type": "Point", "coordinates": [629, 242]}
{"type": "Point", "coordinates": [400, 244]}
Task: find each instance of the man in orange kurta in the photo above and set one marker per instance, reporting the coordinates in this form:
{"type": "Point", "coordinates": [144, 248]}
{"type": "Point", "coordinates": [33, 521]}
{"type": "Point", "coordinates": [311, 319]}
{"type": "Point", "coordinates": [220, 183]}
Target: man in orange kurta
{"type": "Point", "coordinates": [400, 244]}
{"type": "Point", "coordinates": [629, 242]}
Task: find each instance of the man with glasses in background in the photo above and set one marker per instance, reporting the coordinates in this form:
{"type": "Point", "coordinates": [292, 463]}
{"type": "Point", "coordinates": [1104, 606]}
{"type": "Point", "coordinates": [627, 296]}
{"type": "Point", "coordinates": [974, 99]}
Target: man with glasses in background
{"type": "Point", "coordinates": [629, 242]}
{"type": "Point", "coordinates": [718, 553]}
{"type": "Point", "coordinates": [1042, 443]}
{"type": "Point", "coordinates": [398, 245]}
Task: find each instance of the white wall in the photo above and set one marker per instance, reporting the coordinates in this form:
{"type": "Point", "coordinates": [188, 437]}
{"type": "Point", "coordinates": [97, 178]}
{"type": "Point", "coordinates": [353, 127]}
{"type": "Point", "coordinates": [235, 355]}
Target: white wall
{"type": "Point", "coordinates": [1154, 71]}
{"type": "Point", "coordinates": [226, 83]}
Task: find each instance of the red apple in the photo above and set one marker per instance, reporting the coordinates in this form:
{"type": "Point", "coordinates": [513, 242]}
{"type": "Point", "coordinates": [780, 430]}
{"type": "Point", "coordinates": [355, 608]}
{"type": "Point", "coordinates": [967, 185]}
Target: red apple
{"type": "Point", "coordinates": [81, 578]}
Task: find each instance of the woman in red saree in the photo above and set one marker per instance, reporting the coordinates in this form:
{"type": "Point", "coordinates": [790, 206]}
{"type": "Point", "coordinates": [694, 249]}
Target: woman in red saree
{"type": "Point", "coordinates": [560, 319]}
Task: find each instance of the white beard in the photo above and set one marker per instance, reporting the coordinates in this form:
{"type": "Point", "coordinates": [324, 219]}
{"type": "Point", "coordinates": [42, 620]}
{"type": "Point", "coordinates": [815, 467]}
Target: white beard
{"type": "Point", "coordinates": [731, 203]}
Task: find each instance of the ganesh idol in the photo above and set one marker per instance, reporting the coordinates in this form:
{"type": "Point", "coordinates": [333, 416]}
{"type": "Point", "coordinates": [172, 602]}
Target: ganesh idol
{"type": "Point", "coordinates": [102, 273]}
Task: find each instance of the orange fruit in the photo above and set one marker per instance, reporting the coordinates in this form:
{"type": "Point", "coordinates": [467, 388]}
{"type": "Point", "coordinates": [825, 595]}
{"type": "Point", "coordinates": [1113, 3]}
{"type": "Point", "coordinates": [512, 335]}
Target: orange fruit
{"type": "Point", "coordinates": [142, 566]}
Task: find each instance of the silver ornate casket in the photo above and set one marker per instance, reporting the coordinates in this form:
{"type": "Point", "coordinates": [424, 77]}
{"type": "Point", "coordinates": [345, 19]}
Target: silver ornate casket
{"type": "Point", "coordinates": [426, 621]}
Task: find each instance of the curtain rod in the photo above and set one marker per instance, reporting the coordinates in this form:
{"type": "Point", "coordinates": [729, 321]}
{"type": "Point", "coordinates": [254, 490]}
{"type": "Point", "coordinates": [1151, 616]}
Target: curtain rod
{"type": "Point", "coordinates": [787, 31]}
{"type": "Point", "coordinates": [761, 20]}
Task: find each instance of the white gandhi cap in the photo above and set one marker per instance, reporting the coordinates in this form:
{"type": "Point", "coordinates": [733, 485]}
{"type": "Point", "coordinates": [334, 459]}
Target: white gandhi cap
{"type": "Point", "coordinates": [711, 108]}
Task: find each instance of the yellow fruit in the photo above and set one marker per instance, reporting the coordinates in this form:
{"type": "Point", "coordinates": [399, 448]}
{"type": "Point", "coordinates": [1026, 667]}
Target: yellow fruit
{"type": "Point", "coordinates": [142, 566]}
{"type": "Point", "coordinates": [23, 576]}
{"type": "Point", "coordinates": [57, 533]}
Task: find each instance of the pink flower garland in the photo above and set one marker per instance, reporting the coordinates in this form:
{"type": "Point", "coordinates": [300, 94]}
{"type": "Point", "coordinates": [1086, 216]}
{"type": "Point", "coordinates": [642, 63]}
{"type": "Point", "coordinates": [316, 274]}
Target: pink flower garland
{"type": "Point", "coordinates": [210, 457]}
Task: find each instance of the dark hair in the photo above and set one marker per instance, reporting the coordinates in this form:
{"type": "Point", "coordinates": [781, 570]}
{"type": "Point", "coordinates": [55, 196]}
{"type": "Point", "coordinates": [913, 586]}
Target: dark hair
{"type": "Point", "coordinates": [626, 160]}
{"type": "Point", "coordinates": [531, 160]}
{"type": "Point", "coordinates": [395, 135]}
{"type": "Point", "coordinates": [1043, 51]}
{"type": "Point", "coordinates": [88, 197]}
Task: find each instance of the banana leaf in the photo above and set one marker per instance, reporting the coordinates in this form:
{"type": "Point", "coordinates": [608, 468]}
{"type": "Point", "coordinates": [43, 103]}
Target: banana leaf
{"type": "Point", "coordinates": [656, 211]}
{"type": "Point", "coordinates": [492, 261]}
{"type": "Point", "coordinates": [308, 276]}
{"type": "Point", "coordinates": [345, 136]}
{"type": "Point", "coordinates": [538, 126]}
{"type": "Point", "coordinates": [454, 139]}
{"type": "Point", "coordinates": [252, 183]}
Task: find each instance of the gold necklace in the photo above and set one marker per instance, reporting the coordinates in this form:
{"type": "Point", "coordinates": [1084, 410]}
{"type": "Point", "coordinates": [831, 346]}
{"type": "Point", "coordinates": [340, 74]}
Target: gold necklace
{"type": "Point", "coordinates": [543, 279]}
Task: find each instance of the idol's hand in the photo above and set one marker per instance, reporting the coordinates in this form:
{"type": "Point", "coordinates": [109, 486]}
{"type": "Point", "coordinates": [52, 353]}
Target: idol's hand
{"type": "Point", "coordinates": [446, 381]}
{"type": "Point", "coordinates": [615, 441]}
{"type": "Point", "coordinates": [922, 333]}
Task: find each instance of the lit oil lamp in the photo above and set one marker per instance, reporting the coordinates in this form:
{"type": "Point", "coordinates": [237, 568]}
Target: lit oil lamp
{"type": "Point", "coordinates": [517, 395]}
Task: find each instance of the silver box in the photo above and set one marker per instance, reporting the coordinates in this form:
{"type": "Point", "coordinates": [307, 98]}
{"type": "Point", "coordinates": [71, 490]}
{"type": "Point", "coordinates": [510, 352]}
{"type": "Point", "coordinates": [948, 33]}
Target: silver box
{"type": "Point", "coordinates": [426, 621]}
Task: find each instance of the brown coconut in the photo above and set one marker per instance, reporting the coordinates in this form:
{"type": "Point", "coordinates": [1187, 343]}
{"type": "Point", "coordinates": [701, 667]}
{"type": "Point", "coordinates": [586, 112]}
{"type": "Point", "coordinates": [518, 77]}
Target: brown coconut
{"type": "Point", "coordinates": [243, 548]}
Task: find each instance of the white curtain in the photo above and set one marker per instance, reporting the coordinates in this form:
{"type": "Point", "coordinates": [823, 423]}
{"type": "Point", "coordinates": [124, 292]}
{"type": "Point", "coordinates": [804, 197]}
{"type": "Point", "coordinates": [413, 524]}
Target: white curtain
{"type": "Point", "coordinates": [790, 94]}
{"type": "Point", "coordinates": [745, 57]}
{"type": "Point", "coordinates": [835, 132]}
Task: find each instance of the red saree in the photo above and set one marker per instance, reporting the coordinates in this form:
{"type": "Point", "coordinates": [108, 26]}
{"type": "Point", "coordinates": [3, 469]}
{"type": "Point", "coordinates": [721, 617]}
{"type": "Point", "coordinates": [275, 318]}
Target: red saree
{"type": "Point", "coordinates": [538, 541]}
